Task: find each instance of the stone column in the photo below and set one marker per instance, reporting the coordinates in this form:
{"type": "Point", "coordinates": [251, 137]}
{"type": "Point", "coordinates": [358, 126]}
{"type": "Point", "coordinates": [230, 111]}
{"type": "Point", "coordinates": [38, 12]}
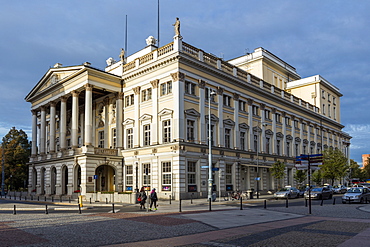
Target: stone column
{"type": "Point", "coordinates": [309, 138]}
{"type": "Point", "coordinates": [283, 144]}
{"type": "Point", "coordinates": [154, 127]}
{"type": "Point", "coordinates": [293, 135]}
{"type": "Point", "coordinates": [63, 123]}
{"type": "Point", "coordinates": [273, 137]}
{"type": "Point", "coordinates": [43, 130]}
{"type": "Point", "coordinates": [88, 115]}
{"type": "Point", "coordinates": [74, 119]}
{"type": "Point", "coordinates": [221, 129]}
{"type": "Point", "coordinates": [301, 134]}
{"type": "Point", "coordinates": [107, 121]}
{"type": "Point", "coordinates": [137, 133]}
{"type": "Point", "coordinates": [236, 133]}
{"type": "Point", "coordinates": [119, 120]}
{"type": "Point", "coordinates": [178, 90]}
{"type": "Point", "coordinates": [52, 127]}
{"type": "Point", "coordinates": [263, 148]}
{"type": "Point", "coordinates": [34, 133]}
{"type": "Point", "coordinates": [250, 123]}
{"type": "Point", "coordinates": [202, 129]}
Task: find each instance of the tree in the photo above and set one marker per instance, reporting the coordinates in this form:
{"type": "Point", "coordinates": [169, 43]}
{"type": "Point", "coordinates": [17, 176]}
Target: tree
{"type": "Point", "coordinates": [300, 176]}
{"type": "Point", "coordinates": [366, 170]}
{"type": "Point", "coordinates": [278, 171]}
{"type": "Point", "coordinates": [16, 155]}
{"type": "Point", "coordinates": [334, 164]}
{"type": "Point", "coordinates": [316, 177]}
{"type": "Point", "coordinates": [355, 171]}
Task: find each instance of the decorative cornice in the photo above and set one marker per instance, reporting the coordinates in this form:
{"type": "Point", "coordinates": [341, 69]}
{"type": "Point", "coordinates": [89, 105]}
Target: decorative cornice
{"type": "Point", "coordinates": [155, 83]}
{"type": "Point", "coordinates": [178, 76]}
{"type": "Point", "coordinates": [136, 90]}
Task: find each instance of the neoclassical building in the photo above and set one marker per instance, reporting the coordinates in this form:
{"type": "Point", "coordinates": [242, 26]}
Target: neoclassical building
{"type": "Point", "coordinates": [144, 121]}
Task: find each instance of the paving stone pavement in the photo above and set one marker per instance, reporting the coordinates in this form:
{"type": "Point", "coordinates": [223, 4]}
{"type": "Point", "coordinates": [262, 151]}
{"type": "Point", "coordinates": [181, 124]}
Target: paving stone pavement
{"type": "Point", "coordinates": [226, 225]}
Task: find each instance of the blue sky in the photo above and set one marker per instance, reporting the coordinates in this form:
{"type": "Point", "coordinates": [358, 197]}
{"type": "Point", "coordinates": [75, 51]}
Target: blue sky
{"type": "Point", "coordinates": [330, 38]}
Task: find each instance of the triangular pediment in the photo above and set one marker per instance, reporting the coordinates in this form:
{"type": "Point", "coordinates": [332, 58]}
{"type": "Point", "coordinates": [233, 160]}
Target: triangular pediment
{"type": "Point", "coordinates": [146, 117]}
{"type": "Point", "coordinates": [128, 121]}
{"type": "Point", "coordinates": [243, 126]}
{"type": "Point", "coordinates": [192, 112]}
{"type": "Point", "coordinates": [165, 111]}
{"type": "Point", "coordinates": [229, 122]}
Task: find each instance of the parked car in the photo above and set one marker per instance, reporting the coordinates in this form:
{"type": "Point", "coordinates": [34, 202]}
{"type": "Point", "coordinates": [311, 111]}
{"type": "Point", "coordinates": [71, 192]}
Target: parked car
{"type": "Point", "coordinates": [287, 192]}
{"type": "Point", "coordinates": [356, 194]}
{"type": "Point", "coordinates": [340, 189]}
{"type": "Point", "coordinates": [320, 193]}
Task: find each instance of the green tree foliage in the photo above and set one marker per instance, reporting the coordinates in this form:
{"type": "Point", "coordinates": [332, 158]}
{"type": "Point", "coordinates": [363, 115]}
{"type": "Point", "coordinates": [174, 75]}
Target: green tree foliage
{"type": "Point", "coordinates": [278, 171]}
{"type": "Point", "coordinates": [366, 170]}
{"type": "Point", "coordinates": [316, 177]}
{"type": "Point", "coordinates": [355, 171]}
{"type": "Point", "coordinates": [334, 164]}
{"type": "Point", "coordinates": [300, 176]}
{"type": "Point", "coordinates": [17, 152]}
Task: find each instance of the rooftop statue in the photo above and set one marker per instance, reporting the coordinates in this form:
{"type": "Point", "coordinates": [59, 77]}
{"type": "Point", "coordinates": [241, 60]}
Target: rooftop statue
{"type": "Point", "coordinates": [122, 55]}
{"type": "Point", "coordinates": [177, 27]}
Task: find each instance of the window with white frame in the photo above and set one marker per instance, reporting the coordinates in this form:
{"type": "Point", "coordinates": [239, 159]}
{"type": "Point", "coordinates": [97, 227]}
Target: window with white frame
{"type": "Point", "coordinates": [146, 130]}
{"type": "Point", "coordinates": [227, 138]}
{"type": "Point", "coordinates": [323, 109]}
{"type": "Point", "coordinates": [166, 175]}
{"type": "Point", "coordinates": [114, 138]}
{"type": "Point", "coordinates": [129, 177]}
{"type": "Point", "coordinates": [267, 145]}
{"type": "Point", "coordinates": [278, 147]}
{"type": "Point", "coordinates": [278, 117]}
{"type": "Point", "coordinates": [296, 149]}
{"type": "Point", "coordinates": [226, 100]}
{"type": "Point", "coordinates": [212, 134]}
{"type": "Point", "coordinates": [329, 114]}
{"type": "Point", "coordinates": [166, 131]}
{"type": "Point", "coordinates": [268, 114]}
{"type": "Point", "coordinates": [207, 92]}
{"type": "Point", "coordinates": [146, 174]}
{"type": "Point", "coordinates": [129, 100]}
{"type": "Point", "coordinates": [101, 139]}
{"type": "Point", "coordinates": [229, 174]}
{"type": "Point", "coordinates": [242, 106]}
{"type": "Point", "coordinates": [190, 87]}
{"type": "Point", "coordinates": [190, 126]}
{"type": "Point", "coordinates": [255, 110]}
{"type": "Point", "coordinates": [146, 94]}
{"type": "Point", "coordinates": [166, 88]}
{"type": "Point", "coordinates": [242, 140]}
{"type": "Point", "coordinates": [130, 138]}
{"type": "Point", "coordinates": [255, 142]}
{"type": "Point", "coordinates": [191, 176]}
{"type": "Point", "coordinates": [323, 94]}
{"type": "Point", "coordinates": [287, 121]}
{"type": "Point", "coordinates": [296, 124]}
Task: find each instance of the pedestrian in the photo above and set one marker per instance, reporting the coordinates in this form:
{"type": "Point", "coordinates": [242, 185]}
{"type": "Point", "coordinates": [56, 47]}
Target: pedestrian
{"type": "Point", "coordinates": [153, 199]}
{"type": "Point", "coordinates": [142, 197]}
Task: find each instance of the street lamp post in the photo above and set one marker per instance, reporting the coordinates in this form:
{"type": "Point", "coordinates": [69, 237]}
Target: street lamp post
{"type": "Point", "coordinates": [210, 180]}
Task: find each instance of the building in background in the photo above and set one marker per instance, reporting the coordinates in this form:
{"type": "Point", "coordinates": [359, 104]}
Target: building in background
{"type": "Point", "coordinates": [143, 121]}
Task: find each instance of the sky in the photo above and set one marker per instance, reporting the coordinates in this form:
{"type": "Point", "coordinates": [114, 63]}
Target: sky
{"type": "Point", "coordinates": [329, 38]}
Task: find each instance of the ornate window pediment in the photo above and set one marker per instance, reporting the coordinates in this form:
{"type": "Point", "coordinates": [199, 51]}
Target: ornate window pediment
{"type": "Point", "coordinates": [305, 141]}
{"type": "Point", "coordinates": [229, 122]}
{"type": "Point", "coordinates": [146, 117]}
{"type": "Point", "coordinates": [128, 121]}
{"type": "Point", "coordinates": [165, 112]}
{"type": "Point", "coordinates": [280, 135]}
{"type": "Point", "coordinates": [297, 139]}
{"type": "Point", "coordinates": [243, 126]}
{"type": "Point", "coordinates": [269, 132]}
{"type": "Point", "coordinates": [213, 118]}
{"type": "Point", "coordinates": [192, 112]}
{"type": "Point", "coordinates": [257, 129]}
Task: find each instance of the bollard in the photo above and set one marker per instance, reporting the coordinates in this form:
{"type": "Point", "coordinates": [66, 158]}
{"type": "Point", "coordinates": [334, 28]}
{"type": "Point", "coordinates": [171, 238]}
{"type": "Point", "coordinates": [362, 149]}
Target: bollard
{"type": "Point", "coordinates": [286, 203]}
{"type": "Point", "coordinates": [112, 207]}
{"type": "Point", "coordinates": [265, 204]}
{"type": "Point", "coordinates": [20, 198]}
{"type": "Point", "coordinates": [170, 199]}
{"type": "Point", "coordinates": [52, 199]}
{"type": "Point", "coordinates": [61, 198]}
{"type": "Point", "coordinates": [38, 198]}
{"type": "Point", "coordinates": [349, 200]}
{"type": "Point", "coordinates": [14, 211]}
{"type": "Point", "coordinates": [210, 204]}
{"type": "Point", "coordinates": [79, 208]}
{"type": "Point", "coordinates": [191, 199]}
{"type": "Point", "coordinates": [10, 197]}
{"type": "Point", "coordinates": [180, 206]}
{"type": "Point", "coordinates": [90, 200]}
{"type": "Point", "coordinates": [322, 202]}
{"type": "Point", "coordinates": [241, 203]}
{"type": "Point", "coordinates": [46, 209]}
{"type": "Point", "coordinates": [45, 198]}
{"type": "Point", "coordinates": [69, 199]}
{"type": "Point", "coordinates": [333, 201]}
{"type": "Point", "coordinates": [106, 200]}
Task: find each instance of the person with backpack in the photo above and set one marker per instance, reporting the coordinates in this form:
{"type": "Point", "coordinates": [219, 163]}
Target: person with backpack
{"type": "Point", "coordinates": [153, 199]}
{"type": "Point", "coordinates": [142, 197]}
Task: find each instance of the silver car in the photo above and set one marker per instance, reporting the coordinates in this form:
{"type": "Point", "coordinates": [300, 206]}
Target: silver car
{"type": "Point", "coordinates": [287, 192]}
{"type": "Point", "coordinates": [356, 194]}
{"type": "Point", "coordinates": [319, 193]}
{"type": "Point", "coordinates": [340, 189]}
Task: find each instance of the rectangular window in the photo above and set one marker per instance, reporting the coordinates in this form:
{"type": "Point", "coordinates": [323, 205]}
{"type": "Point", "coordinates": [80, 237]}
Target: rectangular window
{"type": "Point", "coordinates": [329, 110]}
{"type": "Point", "coordinates": [242, 140]}
{"type": "Point", "coordinates": [334, 103]}
{"type": "Point", "coordinates": [166, 173]}
{"type": "Point", "coordinates": [242, 106]}
{"type": "Point", "coordinates": [267, 114]}
{"type": "Point", "coordinates": [287, 149]}
{"type": "Point", "coordinates": [267, 145]}
{"type": "Point", "coordinates": [255, 110]}
{"type": "Point", "coordinates": [146, 94]}
{"type": "Point", "coordinates": [278, 147]}
{"type": "Point", "coordinates": [190, 125]}
{"type": "Point", "coordinates": [296, 124]}
{"type": "Point", "coordinates": [146, 129]}
{"type": "Point", "coordinates": [191, 176]}
{"type": "Point", "coordinates": [227, 138]}
{"type": "Point", "coordinates": [255, 143]}
{"type": "Point", "coordinates": [323, 109]}
{"type": "Point", "coordinates": [130, 138]}
{"type": "Point", "coordinates": [190, 87]}
{"type": "Point", "coordinates": [166, 88]}
{"type": "Point", "coordinates": [129, 175]}
{"type": "Point", "coordinates": [323, 94]}
{"type": "Point", "coordinates": [212, 134]}
{"type": "Point", "coordinates": [129, 100]}
{"type": "Point", "coordinates": [229, 174]}
{"type": "Point", "coordinates": [101, 139]}
{"type": "Point", "coordinates": [287, 121]}
{"type": "Point", "coordinates": [146, 174]}
{"type": "Point", "coordinates": [278, 117]}
{"type": "Point", "coordinates": [207, 92]}
{"type": "Point", "coordinates": [227, 100]}
{"type": "Point", "coordinates": [296, 149]}
{"type": "Point", "coordinates": [166, 131]}
{"type": "Point", "coordinates": [114, 137]}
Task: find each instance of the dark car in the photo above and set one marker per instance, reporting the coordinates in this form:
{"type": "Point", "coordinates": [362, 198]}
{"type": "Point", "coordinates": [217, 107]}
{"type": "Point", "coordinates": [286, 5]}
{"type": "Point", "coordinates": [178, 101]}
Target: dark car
{"type": "Point", "coordinates": [320, 193]}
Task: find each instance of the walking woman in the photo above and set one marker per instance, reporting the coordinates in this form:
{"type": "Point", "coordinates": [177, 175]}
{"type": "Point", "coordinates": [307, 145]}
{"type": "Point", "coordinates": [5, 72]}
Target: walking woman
{"type": "Point", "coordinates": [142, 197]}
{"type": "Point", "coordinates": [153, 199]}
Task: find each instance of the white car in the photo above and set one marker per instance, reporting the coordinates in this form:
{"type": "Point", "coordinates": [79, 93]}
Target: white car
{"type": "Point", "coordinates": [287, 192]}
{"type": "Point", "coordinates": [356, 194]}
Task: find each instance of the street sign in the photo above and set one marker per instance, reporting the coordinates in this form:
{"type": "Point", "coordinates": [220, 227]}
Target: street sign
{"type": "Point", "coordinates": [257, 178]}
{"type": "Point", "coordinates": [204, 167]}
{"type": "Point", "coordinates": [95, 176]}
{"type": "Point", "coordinates": [215, 169]}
